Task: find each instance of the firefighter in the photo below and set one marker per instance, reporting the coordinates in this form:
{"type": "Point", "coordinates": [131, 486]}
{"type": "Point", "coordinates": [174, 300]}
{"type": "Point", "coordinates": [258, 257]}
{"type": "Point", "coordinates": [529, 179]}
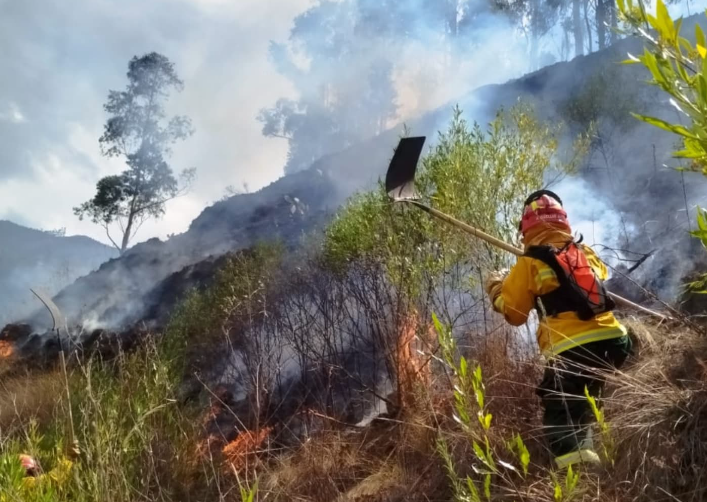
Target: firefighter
{"type": "Point", "coordinates": [58, 476]}
{"type": "Point", "coordinates": [34, 476]}
{"type": "Point", "coordinates": [577, 333]}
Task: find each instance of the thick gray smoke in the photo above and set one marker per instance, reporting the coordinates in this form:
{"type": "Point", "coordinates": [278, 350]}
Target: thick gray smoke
{"type": "Point", "coordinates": [359, 69]}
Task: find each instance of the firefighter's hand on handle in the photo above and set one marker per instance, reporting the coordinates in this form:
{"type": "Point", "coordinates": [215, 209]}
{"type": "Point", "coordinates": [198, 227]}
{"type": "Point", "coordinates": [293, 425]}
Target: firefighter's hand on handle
{"type": "Point", "coordinates": [494, 282]}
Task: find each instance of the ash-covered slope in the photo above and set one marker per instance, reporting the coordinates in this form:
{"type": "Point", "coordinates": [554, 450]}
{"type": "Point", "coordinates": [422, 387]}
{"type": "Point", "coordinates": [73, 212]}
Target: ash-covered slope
{"type": "Point", "coordinates": [121, 291]}
{"type": "Point", "coordinates": [630, 177]}
{"type": "Point", "coordinates": [36, 259]}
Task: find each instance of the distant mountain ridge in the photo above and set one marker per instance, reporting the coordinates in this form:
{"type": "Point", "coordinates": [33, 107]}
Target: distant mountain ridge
{"type": "Point", "coordinates": [32, 258]}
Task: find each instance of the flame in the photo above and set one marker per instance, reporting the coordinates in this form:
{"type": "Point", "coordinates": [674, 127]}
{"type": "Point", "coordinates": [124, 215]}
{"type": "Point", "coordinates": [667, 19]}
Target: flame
{"type": "Point", "coordinates": [6, 349]}
{"type": "Point", "coordinates": [412, 366]}
{"type": "Point", "coordinates": [242, 451]}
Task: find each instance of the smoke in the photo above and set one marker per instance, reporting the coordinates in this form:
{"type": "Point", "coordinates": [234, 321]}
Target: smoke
{"type": "Point", "coordinates": [361, 67]}
{"type": "Point", "coordinates": [63, 62]}
{"type": "Point", "coordinates": [594, 216]}
{"type": "Point", "coordinates": [41, 261]}
{"type": "Point", "coordinates": [348, 71]}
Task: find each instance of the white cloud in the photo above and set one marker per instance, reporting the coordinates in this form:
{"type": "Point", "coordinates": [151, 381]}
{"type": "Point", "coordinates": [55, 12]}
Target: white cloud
{"type": "Point", "coordinates": [12, 113]}
{"type": "Point", "coordinates": [63, 64]}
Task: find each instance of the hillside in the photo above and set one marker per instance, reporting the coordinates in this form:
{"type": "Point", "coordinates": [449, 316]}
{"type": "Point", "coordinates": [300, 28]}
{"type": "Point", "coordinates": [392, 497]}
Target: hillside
{"type": "Point", "coordinates": [289, 347]}
{"type": "Point", "coordinates": [625, 174]}
{"type": "Point", "coordinates": [34, 259]}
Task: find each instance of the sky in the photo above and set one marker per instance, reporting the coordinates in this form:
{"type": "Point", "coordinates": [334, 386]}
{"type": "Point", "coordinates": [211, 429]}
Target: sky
{"type": "Point", "coordinates": [58, 61]}
{"type": "Point", "coordinates": [60, 58]}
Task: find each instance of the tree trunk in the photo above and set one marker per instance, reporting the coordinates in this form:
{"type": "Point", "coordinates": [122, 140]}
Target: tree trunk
{"type": "Point", "coordinates": [601, 20]}
{"type": "Point", "coordinates": [126, 234]}
{"type": "Point", "coordinates": [535, 33]}
{"type": "Point", "coordinates": [577, 24]}
{"type": "Point", "coordinates": [590, 47]}
{"type": "Point", "coordinates": [129, 226]}
{"type": "Point", "coordinates": [613, 19]}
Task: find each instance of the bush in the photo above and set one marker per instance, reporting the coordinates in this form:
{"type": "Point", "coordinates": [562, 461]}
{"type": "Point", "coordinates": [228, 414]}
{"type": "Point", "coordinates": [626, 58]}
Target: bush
{"type": "Point", "coordinates": [479, 177]}
{"type": "Point", "coordinates": [122, 414]}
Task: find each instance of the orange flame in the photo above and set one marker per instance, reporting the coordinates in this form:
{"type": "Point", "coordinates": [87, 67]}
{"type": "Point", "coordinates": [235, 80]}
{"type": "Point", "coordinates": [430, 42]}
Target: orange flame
{"type": "Point", "coordinates": [242, 451]}
{"type": "Point", "coordinates": [6, 349]}
{"type": "Point", "coordinates": [412, 366]}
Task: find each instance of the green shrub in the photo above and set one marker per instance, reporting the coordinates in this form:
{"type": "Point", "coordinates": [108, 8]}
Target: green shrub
{"type": "Point", "coordinates": [481, 177]}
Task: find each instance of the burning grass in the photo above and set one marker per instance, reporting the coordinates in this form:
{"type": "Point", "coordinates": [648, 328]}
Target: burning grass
{"type": "Point", "coordinates": [133, 433]}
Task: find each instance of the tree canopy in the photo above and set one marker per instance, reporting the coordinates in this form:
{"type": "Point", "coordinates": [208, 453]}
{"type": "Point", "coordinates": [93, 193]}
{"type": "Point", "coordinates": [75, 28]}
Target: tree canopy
{"type": "Point", "coordinates": [139, 131]}
{"type": "Point", "coordinates": [350, 60]}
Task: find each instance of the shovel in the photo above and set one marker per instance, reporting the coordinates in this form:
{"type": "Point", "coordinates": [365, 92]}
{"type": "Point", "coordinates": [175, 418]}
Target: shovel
{"type": "Point", "coordinates": [400, 185]}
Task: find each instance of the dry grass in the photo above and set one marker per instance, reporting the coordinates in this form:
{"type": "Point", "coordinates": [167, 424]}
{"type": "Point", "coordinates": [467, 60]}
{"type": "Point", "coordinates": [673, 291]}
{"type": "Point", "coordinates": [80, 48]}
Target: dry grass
{"type": "Point", "coordinates": [28, 397]}
{"type": "Point", "coordinates": [387, 461]}
{"type": "Point", "coordinates": [658, 413]}
{"type": "Point", "coordinates": [656, 407]}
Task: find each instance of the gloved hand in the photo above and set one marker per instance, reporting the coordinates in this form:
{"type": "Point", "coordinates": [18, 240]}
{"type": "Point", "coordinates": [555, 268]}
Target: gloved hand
{"type": "Point", "coordinates": [73, 450]}
{"type": "Point", "coordinates": [494, 282]}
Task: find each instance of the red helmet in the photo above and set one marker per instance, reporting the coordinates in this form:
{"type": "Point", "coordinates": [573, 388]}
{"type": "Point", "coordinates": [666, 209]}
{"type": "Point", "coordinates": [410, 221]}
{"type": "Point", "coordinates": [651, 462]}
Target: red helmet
{"type": "Point", "coordinates": [30, 465]}
{"type": "Point", "coordinates": [542, 206]}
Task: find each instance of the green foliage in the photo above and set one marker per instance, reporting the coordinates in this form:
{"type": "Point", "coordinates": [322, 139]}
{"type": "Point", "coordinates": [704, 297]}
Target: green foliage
{"type": "Point", "coordinates": [567, 490]}
{"type": "Point", "coordinates": [138, 131]}
{"type": "Point", "coordinates": [248, 493]}
{"type": "Point", "coordinates": [607, 439]}
{"type": "Point", "coordinates": [603, 97]}
{"type": "Point", "coordinates": [679, 68]}
{"type": "Point", "coordinates": [480, 177]}
{"type": "Point", "coordinates": [133, 435]}
{"type": "Point", "coordinates": [701, 232]}
{"type": "Point", "coordinates": [467, 383]}
{"type": "Point", "coordinates": [132, 438]}
{"type": "Point", "coordinates": [517, 446]}
{"type": "Point", "coordinates": [198, 322]}
{"type": "Point", "coordinates": [600, 108]}
{"type": "Point", "coordinates": [463, 491]}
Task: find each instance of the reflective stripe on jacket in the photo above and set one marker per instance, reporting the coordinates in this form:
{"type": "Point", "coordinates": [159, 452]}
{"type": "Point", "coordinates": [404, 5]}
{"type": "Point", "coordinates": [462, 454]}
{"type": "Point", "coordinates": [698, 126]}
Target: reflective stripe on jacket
{"type": "Point", "coordinates": [530, 278]}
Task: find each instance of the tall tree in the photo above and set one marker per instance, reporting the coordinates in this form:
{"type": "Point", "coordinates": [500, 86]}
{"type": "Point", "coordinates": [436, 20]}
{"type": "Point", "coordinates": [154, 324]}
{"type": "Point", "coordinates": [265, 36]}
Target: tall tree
{"type": "Point", "coordinates": [601, 11]}
{"type": "Point", "coordinates": [535, 18]}
{"type": "Point", "coordinates": [139, 131]}
{"type": "Point", "coordinates": [578, 30]}
{"type": "Point", "coordinates": [346, 90]}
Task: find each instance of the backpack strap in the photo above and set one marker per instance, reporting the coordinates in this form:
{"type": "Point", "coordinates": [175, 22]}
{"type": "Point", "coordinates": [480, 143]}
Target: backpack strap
{"type": "Point", "coordinates": [569, 296]}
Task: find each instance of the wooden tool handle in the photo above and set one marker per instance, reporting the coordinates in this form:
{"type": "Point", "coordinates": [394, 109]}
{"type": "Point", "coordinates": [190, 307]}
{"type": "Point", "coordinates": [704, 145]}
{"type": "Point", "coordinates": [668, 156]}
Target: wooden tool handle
{"type": "Point", "coordinates": [516, 251]}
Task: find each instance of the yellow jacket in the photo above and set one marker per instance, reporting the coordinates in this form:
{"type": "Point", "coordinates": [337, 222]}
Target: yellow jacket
{"type": "Point", "coordinates": [30, 487]}
{"type": "Point", "coordinates": [60, 475]}
{"type": "Point", "coordinates": [530, 278]}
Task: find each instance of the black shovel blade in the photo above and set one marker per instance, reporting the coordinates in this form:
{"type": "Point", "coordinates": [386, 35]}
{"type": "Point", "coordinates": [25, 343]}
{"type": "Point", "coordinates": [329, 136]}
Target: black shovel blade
{"type": "Point", "coordinates": [400, 179]}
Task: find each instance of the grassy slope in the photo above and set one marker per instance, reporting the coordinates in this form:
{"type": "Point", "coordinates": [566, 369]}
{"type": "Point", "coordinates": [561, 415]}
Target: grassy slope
{"type": "Point", "coordinates": [137, 443]}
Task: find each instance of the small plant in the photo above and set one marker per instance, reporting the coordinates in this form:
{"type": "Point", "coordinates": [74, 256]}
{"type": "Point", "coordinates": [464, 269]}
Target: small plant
{"type": "Point", "coordinates": [564, 492]}
{"type": "Point", "coordinates": [248, 492]}
{"type": "Point", "coordinates": [517, 447]}
{"type": "Point", "coordinates": [607, 440]}
{"type": "Point", "coordinates": [679, 68]}
{"type": "Point", "coordinates": [468, 382]}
